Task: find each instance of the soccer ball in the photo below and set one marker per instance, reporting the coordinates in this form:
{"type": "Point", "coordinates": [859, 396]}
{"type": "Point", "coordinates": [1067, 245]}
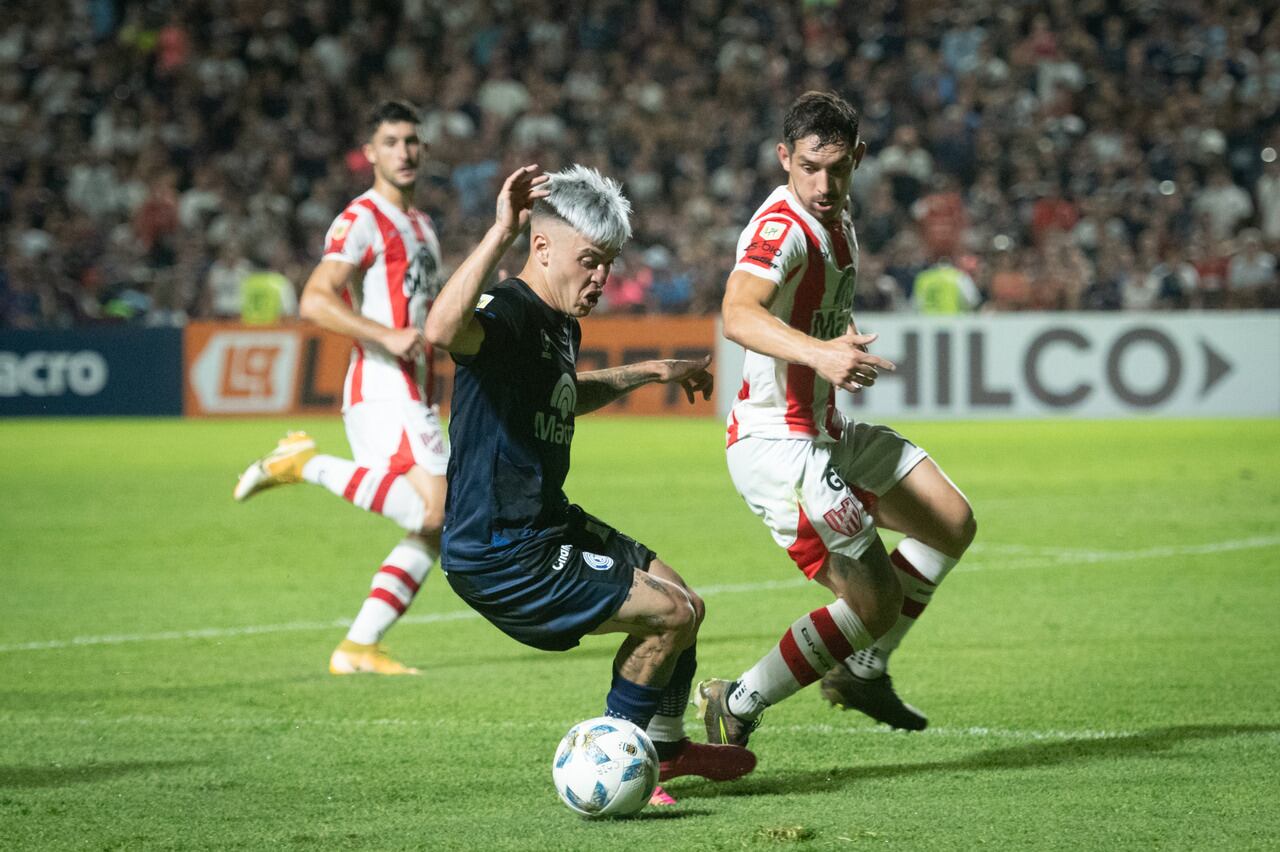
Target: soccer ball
{"type": "Point", "coordinates": [605, 767]}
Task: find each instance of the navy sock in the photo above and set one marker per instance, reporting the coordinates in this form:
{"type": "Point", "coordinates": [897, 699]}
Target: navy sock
{"type": "Point", "coordinates": [634, 702]}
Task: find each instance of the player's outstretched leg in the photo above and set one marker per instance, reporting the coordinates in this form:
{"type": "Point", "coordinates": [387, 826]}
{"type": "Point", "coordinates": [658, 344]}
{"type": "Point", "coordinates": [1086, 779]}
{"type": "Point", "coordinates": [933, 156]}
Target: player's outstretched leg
{"type": "Point", "coordinates": [381, 491]}
{"type": "Point", "coordinates": [867, 603]}
{"type": "Point", "coordinates": [281, 466]}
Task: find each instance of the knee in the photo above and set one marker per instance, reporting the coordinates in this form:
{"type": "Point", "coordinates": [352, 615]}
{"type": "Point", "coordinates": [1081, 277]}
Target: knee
{"type": "Point", "coordinates": [682, 619]}
{"type": "Point", "coordinates": [699, 609]}
{"type": "Point", "coordinates": [963, 533]}
{"type": "Point", "coordinates": [432, 520]}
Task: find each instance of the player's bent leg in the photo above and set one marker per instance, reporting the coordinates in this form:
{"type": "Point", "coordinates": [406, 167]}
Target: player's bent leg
{"type": "Point", "coordinates": [432, 488]}
{"type": "Point", "coordinates": [928, 507]}
{"type": "Point", "coordinates": [939, 524]}
{"type": "Point", "coordinates": [678, 755]}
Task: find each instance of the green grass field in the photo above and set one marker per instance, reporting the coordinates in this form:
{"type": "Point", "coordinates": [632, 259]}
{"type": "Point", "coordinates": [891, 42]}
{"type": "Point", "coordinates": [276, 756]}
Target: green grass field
{"type": "Point", "coordinates": [1102, 672]}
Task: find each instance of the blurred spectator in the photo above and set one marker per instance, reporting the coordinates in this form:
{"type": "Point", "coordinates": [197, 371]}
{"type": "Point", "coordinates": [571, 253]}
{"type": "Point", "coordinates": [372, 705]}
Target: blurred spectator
{"type": "Point", "coordinates": [224, 282]}
{"type": "Point", "coordinates": [944, 288]}
{"type": "Point", "coordinates": [1252, 272]}
{"type": "Point", "coordinates": [1224, 204]}
{"type": "Point", "coordinates": [144, 142]}
{"type": "Point", "coordinates": [1010, 286]}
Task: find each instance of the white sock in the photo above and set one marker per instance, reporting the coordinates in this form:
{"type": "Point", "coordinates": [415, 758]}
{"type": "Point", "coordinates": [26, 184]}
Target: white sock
{"type": "Point", "coordinates": [920, 569]}
{"type": "Point", "coordinates": [811, 646]}
{"type": "Point", "coordinates": [394, 588]}
{"type": "Point", "coordinates": [375, 490]}
{"type": "Point", "coordinates": [666, 729]}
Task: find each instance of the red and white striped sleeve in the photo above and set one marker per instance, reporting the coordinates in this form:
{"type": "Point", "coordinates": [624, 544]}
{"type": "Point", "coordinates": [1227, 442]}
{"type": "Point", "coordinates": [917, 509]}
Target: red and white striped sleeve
{"type": "Point", "coordinates": [771, 247]}
{"type": "Point", "coordinates": [351, 238]}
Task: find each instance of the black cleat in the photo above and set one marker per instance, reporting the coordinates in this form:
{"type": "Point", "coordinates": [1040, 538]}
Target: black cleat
{"type": "Point", "coordinates": [875, 698]}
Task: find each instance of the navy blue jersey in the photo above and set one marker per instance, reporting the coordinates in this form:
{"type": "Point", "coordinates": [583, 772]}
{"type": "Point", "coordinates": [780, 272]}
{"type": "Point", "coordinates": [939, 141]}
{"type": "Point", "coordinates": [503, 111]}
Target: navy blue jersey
{"type": "Point", "coordinates": [510, 426]}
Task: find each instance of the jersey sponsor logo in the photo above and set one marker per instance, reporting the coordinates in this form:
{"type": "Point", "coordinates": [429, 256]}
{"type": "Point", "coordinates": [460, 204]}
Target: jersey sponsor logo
{"type": "Point", "coordinates": [833, 480]}
{"type": "Point", "coordinates": [845, 518]}
{"type": "Point", "coordinates": [422, 277]}
{"type": "Point", "coordinates": [766, 244]}
{"type": "Point", "coordinates": [564, 399]}
{"type": "Point", "coordinates": [830, 323]}
{"type": "Point", "coordinates": [551, 429]}
{"type": "Point", "coordinates": [563, 558]}
{"type": "Point", "coordinates": [83, 373]}
{"type": "Point", "coordinates": [598, 561]}
{"type": "Point", "coordinates": [564, 396]}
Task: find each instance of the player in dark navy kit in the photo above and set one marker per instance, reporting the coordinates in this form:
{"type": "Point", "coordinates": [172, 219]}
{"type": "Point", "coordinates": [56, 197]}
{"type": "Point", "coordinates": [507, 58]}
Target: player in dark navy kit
{"type": "Point", "coordinates": [540, 569]}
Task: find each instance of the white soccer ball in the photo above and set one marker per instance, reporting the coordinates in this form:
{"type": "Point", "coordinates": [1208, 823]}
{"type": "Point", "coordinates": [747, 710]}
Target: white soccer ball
{"type": "Point", "coordinates": [605, 767]}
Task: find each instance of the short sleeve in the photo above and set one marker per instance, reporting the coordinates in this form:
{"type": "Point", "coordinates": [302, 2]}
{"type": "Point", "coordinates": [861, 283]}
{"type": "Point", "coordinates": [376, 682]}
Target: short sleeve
{"type": "Point", "coordinates": [772, 247]}
{"type": "Point", "coordinates": [498, 312]}
{"type": "Point", "coordinates": [351, 238]}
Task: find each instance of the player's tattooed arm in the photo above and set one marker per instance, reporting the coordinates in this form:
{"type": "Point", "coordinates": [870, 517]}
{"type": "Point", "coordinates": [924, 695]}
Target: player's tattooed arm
{"type": "Point", "coordinates": [598, 388]}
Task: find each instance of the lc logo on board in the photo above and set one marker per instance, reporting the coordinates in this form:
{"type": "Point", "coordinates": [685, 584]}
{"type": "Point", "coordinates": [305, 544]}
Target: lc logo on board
{"type": "Point", "coordinates": [243, 372]}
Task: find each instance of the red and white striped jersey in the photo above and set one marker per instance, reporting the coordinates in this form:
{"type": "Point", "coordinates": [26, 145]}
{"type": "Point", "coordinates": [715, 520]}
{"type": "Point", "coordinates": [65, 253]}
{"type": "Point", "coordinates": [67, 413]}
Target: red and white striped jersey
{"type": "Point", "coordinates": [397, 258]}
{"type": "Point", "coordinates": [814, 267]}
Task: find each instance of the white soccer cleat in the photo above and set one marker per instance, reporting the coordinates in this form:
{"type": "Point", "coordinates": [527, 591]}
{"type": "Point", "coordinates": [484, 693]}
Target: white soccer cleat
{"type": "Point", "coordinates": [281, 466]}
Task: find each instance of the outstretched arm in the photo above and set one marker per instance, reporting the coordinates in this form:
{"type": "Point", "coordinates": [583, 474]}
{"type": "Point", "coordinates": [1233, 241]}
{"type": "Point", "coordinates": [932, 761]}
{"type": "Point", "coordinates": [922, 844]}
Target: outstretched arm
{"type": "Point", "coordinates": [598, 388]}
{"type": "Point", "coordinates": [451, 324]}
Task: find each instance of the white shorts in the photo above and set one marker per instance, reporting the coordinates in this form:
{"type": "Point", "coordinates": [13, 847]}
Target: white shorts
{"type": "Point", "coordinates": [397, 435]}
{"type": "Point", "coordinates": [814, 498]}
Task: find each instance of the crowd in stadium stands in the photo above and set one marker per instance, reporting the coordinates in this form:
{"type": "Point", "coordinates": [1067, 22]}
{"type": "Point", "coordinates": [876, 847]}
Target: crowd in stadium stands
{"type": "Point", "coordinates": [1076, 154]}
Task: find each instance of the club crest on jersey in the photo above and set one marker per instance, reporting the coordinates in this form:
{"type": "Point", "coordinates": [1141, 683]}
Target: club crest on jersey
{"type": "Point", "coordinates": [845, 518]}
{"type": "Point", "coordinates": [766, 245]}
{"type": "Point", "coordinates": [597, 561]}
{"type": "Point", "coordinates": [773, 230]}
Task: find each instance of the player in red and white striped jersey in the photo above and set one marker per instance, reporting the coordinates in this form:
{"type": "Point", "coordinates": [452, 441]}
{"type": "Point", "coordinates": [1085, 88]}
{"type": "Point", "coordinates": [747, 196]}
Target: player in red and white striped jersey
{"type": "Point", "coordinates": [380, 271]}
{"type": "Point", "coordinates": [823, 485]}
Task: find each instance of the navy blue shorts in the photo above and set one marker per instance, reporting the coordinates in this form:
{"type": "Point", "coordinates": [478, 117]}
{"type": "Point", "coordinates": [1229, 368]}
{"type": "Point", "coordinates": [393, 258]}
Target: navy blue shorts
{"type": "Point", "coordinates": [560, 591]}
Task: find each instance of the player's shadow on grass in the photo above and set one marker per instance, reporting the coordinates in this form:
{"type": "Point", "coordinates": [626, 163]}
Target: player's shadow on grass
{"type": "Point", "coordinates": [29, 777]}
{"type": "Point", "coordinates": [1145, 745]}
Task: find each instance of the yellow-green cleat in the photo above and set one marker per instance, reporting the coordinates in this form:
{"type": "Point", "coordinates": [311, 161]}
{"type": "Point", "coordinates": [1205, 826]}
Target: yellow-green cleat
{"type": "Point", "coordinates": [281, 466]}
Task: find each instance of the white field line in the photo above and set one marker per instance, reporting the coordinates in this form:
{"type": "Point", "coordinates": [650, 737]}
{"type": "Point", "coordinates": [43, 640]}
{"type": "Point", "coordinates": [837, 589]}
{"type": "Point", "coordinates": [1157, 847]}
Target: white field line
{"type": "Point", "coordinates": [444, 723]}
{"type": "Point", "coordinates": [1011, 556]}
{"type": "Point", "coordinates": [989, 557]}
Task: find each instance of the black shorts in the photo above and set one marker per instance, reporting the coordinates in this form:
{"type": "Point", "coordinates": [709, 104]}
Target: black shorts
{"type": "Point", "coordinates": [553, 595]}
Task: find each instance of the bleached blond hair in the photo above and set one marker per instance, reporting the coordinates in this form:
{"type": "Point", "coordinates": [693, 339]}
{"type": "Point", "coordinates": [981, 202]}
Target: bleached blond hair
{"type": "Point", "coordinates": [590, 203]}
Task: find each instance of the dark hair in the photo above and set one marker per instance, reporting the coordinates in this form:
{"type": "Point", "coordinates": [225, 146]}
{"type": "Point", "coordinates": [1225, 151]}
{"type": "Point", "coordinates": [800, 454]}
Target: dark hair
{"type": "Point", "coordinates": [389, 111]}
{"type": "Point", "coordinates": [825, 115]}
